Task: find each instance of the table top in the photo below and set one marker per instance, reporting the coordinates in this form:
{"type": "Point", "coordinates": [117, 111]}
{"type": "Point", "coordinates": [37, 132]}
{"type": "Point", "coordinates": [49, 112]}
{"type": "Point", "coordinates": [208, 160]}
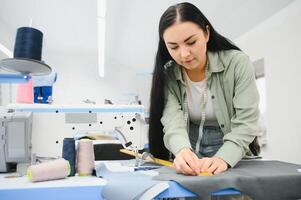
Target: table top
{"type": "Point", "coordinates": [24, 183]}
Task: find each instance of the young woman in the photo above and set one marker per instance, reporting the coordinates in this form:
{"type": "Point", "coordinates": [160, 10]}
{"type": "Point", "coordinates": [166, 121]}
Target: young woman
{"type": "Point", "coordinates": [204, 100]}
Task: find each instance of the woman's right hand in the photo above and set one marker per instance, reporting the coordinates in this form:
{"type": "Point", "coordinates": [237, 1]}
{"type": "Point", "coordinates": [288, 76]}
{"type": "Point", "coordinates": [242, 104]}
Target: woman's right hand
{"type": "Point", "coordinates": [186, 162]}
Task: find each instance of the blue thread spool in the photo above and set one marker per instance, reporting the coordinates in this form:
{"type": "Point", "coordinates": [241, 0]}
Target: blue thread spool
{"type": "Point", "coordinates": [28, 43]}
{"type": "Point", "coordinates": [27, 53]}
{"type": "Point", "coordinates": [69, 153]}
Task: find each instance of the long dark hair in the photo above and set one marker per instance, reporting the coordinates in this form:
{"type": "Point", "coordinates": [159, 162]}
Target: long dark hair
{"type": "Point", "coordinates": [182, 12]}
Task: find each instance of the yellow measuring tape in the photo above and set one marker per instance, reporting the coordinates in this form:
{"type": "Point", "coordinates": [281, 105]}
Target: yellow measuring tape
{"type": "Point", "coordinates": [157, 160]}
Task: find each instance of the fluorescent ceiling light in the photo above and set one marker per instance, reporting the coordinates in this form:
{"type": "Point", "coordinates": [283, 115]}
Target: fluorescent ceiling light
{"type": "Point", "coordinates": [101, 30]}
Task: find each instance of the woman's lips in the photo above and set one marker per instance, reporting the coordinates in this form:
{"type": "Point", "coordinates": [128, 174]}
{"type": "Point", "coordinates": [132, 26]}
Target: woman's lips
{"type": "Point", "coordinates": [188, 61]}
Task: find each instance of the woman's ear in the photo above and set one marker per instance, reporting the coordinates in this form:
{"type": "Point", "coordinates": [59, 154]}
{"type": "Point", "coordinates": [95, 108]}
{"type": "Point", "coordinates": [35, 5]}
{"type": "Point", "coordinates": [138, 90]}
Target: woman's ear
{"type": "Point", "coordinates": [207, 32]}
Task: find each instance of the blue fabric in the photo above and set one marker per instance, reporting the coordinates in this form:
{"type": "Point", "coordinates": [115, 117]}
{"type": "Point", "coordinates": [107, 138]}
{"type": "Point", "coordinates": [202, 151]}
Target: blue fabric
{"type": "Point", "coordinates": [59, 193]}
{"type": "Point", "coordinates": [175, 190]}
{"type": "Point", "coordinates": [41, 94]}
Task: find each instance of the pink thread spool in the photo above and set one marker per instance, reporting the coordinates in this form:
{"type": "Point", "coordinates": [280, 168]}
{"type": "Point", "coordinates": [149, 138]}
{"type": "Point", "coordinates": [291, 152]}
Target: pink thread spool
{"type": "Point", "coordinates": [56, 169]}
{"type": "Point", "coordinates": [85, 157]}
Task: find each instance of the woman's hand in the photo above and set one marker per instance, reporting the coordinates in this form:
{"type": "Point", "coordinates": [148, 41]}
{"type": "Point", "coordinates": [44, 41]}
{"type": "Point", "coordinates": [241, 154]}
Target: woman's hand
{"type": "Point", "coordinates": [186, 162]}
{"type": "Point", "coordinates": [213, 165]}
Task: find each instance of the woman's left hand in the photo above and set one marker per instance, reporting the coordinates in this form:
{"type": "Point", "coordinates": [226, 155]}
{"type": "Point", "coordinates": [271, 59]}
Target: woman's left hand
{"type": "Point", "coordinates": [213, 165]}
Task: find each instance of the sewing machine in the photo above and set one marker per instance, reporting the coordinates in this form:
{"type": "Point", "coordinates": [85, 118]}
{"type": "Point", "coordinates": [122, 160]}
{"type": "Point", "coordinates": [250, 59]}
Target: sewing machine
{"type": "Point", "coordinates": [15, 139]}
{"type": "Point", "coordinates": [52, 123]}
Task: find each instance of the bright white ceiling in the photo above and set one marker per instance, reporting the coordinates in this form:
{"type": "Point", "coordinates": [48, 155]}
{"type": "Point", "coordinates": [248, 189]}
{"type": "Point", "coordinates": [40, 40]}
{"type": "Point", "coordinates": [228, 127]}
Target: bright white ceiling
{"type": "Point", "coordinates": [69, 26]}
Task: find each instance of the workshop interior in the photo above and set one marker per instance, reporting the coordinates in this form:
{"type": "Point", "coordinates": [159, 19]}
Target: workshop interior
{"type": "Point", "coordinates": [75, 97]}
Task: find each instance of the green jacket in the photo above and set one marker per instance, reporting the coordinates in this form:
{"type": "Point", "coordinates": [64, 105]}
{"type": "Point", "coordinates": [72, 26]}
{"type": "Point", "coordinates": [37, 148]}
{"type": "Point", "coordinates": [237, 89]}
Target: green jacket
{"type": "Point", "coordinates": [235, 99]}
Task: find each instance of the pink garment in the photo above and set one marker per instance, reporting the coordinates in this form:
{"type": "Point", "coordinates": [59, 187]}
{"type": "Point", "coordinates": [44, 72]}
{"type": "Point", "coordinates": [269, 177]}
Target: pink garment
{"type": "Point", "coordinates": [25, 92]}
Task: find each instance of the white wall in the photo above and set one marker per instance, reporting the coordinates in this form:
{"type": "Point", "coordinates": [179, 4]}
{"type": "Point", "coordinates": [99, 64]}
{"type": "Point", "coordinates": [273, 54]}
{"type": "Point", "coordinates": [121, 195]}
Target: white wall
{"type": "Point", "coordinates": [78, 80]}
{"type": "Point", "coordinates": [278, 41]}
{"type": "Point", "coordinates": [73, 51]}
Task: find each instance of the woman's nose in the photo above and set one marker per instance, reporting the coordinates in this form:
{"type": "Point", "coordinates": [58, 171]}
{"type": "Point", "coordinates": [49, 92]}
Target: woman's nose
{"type": "Point", "coordinates": [184, 52]}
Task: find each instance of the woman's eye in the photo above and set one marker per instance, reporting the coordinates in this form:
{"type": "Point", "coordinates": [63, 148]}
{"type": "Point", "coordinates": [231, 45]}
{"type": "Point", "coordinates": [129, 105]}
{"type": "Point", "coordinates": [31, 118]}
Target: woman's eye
{"type": "Point", "coordinates": [173, 48]}
{"type": "Point", "coordinates": [191, 43]}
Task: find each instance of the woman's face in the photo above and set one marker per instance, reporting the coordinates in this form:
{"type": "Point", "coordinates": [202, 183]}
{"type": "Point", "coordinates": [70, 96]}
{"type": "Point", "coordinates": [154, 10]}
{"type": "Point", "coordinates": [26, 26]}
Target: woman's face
{"type": "Point", "coordinates": [187, 44]}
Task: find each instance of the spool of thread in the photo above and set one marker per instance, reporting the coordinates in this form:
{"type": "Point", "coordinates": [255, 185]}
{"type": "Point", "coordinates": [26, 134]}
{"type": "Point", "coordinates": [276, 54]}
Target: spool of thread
{"type": "Point", "coordinates": [28, 43]}
{"type": "Point", "coordinates": [52, 170]}
{"type": "Point", "coordinates": [69, 153]}
{"type": "Point", "coordinates": [85, 157]}
{"type": "Point", "coordinates": [27, 53]}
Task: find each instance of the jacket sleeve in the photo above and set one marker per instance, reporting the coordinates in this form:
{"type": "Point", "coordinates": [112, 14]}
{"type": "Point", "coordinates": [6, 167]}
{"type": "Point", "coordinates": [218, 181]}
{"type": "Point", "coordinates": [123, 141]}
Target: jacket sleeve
{"type": "Point", "coordinates": [244, 122]}
{"type": "Point", "coordinates": [175, 127]}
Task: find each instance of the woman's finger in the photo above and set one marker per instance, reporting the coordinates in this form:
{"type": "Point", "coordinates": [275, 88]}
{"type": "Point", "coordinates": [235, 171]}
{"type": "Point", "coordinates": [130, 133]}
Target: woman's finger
{"type": "Point", "coordinates": [214, 166]}
{"type": "Point", "coordinates": [207, 162]}
{"type": "Point", "coordinates": [182, 166]}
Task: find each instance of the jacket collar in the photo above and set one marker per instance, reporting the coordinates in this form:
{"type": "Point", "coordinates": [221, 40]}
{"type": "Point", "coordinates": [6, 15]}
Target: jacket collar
{"type": "Point", "coordinates": [215, 65]}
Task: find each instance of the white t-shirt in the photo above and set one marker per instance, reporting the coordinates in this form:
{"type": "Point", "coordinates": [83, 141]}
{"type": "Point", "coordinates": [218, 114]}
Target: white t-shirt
{"type": "Point", "coordinates": [195, 91]}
